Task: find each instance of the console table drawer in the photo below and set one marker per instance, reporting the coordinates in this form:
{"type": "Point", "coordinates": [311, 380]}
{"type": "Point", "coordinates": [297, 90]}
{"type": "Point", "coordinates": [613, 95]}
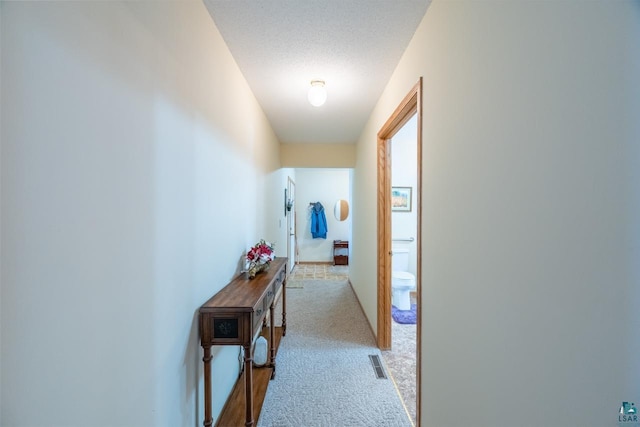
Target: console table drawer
{"type": "Point", "coordinates": [271, 293]}
{"type": "Point", "coordinates": [259, 311]}
{"type": "Point", "coordinates": [224, 329]}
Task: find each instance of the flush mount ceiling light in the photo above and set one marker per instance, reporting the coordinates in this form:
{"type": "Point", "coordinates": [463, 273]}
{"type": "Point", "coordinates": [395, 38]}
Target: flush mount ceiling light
{"type": "Point", "coordinates": [317, 93]}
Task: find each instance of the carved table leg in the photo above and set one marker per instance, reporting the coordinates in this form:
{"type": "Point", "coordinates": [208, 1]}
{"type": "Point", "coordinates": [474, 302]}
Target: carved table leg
{"type": "Point", "coordinates": [284, 308]}
{"type": "Point", "coordinates": [208, 418]}
{"type": "Point", "coordinates": [248, 384]}
{"type": "Point", "coordinates": [272, 340]}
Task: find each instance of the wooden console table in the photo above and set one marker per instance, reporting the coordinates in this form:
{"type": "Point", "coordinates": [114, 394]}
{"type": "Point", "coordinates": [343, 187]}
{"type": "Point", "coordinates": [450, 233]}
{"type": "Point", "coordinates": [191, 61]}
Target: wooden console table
{"type": "Point", "coordinates": [235, 316]}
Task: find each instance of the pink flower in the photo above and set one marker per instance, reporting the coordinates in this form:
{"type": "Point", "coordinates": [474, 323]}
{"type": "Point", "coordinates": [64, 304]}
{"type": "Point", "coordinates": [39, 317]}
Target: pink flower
{"type": "Point", "coordinates": [261, 253]}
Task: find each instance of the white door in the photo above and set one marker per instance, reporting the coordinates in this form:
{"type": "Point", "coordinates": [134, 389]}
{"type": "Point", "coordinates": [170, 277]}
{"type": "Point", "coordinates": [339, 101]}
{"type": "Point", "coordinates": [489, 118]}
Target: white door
{"type": "Point", "coordinates": [291, 224]}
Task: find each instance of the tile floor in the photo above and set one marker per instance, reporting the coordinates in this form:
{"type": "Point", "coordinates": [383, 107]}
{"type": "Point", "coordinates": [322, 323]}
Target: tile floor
{"type": "Point", "coordinates": [319, 272]}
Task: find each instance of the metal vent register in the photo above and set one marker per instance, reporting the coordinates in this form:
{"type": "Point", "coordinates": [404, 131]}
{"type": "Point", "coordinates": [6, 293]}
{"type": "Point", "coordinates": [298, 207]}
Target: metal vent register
{"type": "Point", "coordinates": [377, 367]}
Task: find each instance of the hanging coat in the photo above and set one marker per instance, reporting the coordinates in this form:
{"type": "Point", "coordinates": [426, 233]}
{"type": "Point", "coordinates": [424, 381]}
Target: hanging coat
{"type": "Point", "coordinates": [318, 222]}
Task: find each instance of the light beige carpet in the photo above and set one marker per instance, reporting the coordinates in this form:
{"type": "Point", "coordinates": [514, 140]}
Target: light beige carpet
{"type": "Point", "coordinates": [400, 360]}
{"type": "Point", "coordinates": [324, 376]}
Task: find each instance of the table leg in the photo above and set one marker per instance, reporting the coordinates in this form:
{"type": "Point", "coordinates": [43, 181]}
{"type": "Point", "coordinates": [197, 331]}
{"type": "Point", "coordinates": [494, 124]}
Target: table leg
{"type": "Point", "coordinates": [284, 308]}
{"type": "Point", "coordinates": [208, 418]}
{"type": "Point", "coordinates": [272, 339]}
{"type": "Point", "coordinates": [248, 384]}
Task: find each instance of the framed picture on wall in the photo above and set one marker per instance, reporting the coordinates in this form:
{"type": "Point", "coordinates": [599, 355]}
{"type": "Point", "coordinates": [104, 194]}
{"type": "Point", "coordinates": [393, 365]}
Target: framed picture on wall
{"type": "Point", "coordinates": [401, 199]}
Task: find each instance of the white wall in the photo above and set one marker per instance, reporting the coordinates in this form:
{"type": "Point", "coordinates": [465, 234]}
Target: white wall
{"type": "Point", "coordinates": [326, 186]}
{"type": "Point", "coordinates": [531, 200]}
{"type": "Point", "coordinates": [136, 170]}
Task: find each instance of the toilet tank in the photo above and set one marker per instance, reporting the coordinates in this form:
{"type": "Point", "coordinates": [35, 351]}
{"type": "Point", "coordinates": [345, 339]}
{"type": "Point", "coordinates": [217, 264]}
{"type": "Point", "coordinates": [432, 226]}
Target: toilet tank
{"type": "Point", "coordinates": [400, 259]}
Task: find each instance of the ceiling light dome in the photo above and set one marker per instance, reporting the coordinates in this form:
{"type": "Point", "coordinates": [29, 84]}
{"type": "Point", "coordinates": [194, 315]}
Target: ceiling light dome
{"type": "Point", "coordinates": [317, 93]}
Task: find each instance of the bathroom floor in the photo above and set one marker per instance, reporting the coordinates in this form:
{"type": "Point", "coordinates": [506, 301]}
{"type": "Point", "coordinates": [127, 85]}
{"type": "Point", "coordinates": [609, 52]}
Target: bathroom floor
{"type": "Point", "coordinates": [401, 362]}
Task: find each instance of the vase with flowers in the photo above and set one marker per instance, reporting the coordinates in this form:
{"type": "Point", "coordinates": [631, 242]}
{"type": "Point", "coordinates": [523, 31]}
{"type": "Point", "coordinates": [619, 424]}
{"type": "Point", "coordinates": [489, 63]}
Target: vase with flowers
{"type": "Point", "coordinates": [259, 257]}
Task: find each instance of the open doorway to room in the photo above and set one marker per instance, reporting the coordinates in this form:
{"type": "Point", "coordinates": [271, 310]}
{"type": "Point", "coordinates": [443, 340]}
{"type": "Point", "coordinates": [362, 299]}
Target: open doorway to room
{"type": "Point", "coordinates": [321, 255]}
{"type": "Point", "coordinates": [321, 188]}
{"type": "Point", "coordinates": [399, 232]}
{"type": "Point", "coordinates": [401, 357]}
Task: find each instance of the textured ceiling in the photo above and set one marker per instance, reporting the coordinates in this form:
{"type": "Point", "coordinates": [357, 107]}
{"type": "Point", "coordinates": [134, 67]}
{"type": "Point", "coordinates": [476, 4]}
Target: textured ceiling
{"type": "Point", "coordinates": [281, 45]}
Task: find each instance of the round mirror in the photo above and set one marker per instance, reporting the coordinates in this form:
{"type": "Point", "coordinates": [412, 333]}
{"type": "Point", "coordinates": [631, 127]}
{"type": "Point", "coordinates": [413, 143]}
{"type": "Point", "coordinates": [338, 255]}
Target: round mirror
{"type": "Point", "coordinates": [341, 210]}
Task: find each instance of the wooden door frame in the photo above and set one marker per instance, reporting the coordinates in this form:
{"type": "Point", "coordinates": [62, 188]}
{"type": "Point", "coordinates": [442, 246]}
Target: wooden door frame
{"type": "Point", "coordinates": [410, 106]}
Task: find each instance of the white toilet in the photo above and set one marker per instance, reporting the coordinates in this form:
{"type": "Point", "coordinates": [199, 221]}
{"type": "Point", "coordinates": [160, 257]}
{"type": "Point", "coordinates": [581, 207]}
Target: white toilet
{"type": "Point", "coordinates": [402, 282]}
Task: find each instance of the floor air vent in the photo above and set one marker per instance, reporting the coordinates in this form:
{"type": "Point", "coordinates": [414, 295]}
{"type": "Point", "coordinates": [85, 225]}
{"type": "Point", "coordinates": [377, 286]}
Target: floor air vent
{"type": "Point", "coordinates": [377, 367]}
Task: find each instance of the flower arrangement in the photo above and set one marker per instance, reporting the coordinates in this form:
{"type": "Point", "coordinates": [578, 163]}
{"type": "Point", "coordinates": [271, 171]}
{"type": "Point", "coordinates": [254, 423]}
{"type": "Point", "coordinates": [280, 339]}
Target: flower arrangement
{"type": "Point", "coordinates": [259, 257]}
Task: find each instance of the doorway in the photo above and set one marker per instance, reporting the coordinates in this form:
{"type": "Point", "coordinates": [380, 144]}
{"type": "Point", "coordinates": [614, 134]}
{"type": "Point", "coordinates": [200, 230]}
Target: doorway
{"type": "Point", "coordinates": [408, 108]}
